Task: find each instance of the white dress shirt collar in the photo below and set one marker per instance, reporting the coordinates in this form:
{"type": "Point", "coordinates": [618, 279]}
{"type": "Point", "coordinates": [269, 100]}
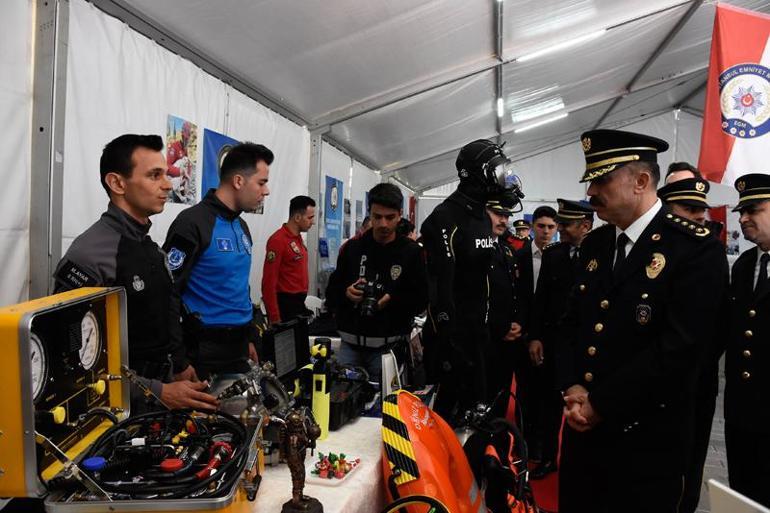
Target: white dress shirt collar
{"type": "Point", "coordinates": [635, 230]}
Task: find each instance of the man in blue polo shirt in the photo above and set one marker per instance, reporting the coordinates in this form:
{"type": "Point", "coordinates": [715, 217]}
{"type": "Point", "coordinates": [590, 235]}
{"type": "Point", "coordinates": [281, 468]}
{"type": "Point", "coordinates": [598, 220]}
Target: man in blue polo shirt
{"type": "Point", "coordinates": [209, 253]}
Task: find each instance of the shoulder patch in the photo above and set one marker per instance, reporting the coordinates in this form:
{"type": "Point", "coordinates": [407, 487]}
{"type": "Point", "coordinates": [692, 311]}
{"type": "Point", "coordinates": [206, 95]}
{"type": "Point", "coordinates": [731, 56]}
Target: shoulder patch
{"type": "Point", "coordinates": [687, 226]}
{"type": "Point", "coordinates": [175, 258]}
{"type": "Point", "coordinates": [270, 257]}
{"type": "Point", "coordinates": [74, 276]}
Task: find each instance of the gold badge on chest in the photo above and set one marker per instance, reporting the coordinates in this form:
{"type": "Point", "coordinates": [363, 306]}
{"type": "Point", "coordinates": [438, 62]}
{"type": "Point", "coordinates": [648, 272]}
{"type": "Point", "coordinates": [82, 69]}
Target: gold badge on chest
{"type": "Point", "coordinates": [592, 265]}
{"type": "Point", "coordinates": [655, 267]}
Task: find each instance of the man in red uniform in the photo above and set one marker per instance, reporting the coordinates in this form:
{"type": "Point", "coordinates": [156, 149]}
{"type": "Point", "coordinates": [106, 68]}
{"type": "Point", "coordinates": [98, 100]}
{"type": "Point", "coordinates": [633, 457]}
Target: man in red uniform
{"type": "Point", "coordinates": [284, 276]}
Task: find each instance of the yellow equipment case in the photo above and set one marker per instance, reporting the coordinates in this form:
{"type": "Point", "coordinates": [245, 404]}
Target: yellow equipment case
{"type": "Point", "coordinates": [63, 382]}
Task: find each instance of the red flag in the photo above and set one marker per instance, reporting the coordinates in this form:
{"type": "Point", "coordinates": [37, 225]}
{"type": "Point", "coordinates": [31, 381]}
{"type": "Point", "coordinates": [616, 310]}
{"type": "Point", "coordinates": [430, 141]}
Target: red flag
{"type": "Point", "coordinates": [736, 125]}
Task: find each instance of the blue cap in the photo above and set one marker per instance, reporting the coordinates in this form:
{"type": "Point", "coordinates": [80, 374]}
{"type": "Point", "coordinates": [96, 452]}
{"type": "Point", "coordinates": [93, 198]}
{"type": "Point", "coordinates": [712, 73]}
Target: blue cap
{"type": "Point", "coordinates": [94, 463]}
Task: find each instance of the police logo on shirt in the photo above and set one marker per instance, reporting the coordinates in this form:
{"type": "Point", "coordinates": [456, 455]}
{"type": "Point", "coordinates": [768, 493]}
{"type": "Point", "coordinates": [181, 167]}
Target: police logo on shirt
{"type": "Point", "coordinates": [294, 247]}
{"type": "Point", "coordinates": [175, 258]}
{"type": "Point", "coordinates": [224, 244]}
{"type": "Point", "coordinates": [246, 243]}
{"type": "Point", "coordinates": [643, 314]}
{"type": "Point", "coordinates": [395, 272]}
{"type": "Point", "coordinates": [138, 283]}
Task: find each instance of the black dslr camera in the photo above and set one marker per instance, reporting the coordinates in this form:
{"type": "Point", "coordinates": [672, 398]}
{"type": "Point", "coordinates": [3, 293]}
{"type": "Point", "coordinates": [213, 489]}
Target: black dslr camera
{"type": "Point", "coordinates": [372, 294]}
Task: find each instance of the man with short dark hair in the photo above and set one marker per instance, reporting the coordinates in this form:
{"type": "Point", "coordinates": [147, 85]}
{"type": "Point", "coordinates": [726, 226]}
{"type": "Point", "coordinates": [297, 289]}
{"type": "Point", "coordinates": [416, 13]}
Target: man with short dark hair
{"type": "Point", "coordinates": [285, 273]}
{"type": "Point", "coordinates": [557, 276]}
{"type": "Point", "coordinates": [531, 255]}
{"type": "Point", "coordinates": [209, 253]}
{"type": "Point", "coordinates": [117, 251]}
{"type": "Point", "coordinates": [747, 360]}
{"type": "Point", "coordinates": [632, 338]}
{"type": "Point", "coordinates": [378, 286]}
{"type": "Point", "coordinates": [680, 171]}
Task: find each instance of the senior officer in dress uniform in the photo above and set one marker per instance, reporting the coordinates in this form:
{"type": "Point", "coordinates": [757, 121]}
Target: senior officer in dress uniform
{"type": "Point", "coordinates": [557, 276]}
{"type": "Point", "coordinates": [747, 364]}
{"type": "Point", "coordinates": [632, 336]}
{"type": "Point", "coordinates": [686, 198]}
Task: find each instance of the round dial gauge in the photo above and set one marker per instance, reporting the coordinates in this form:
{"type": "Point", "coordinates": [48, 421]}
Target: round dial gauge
{"type": "Point", "coordinates": [92, 341]}
{"type": "Point", "coordinates": [39, 360]}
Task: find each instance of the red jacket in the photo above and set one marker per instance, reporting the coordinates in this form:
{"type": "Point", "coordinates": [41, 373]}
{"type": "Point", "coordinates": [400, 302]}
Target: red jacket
{"type": "Point", "coordinates": [285, 269]}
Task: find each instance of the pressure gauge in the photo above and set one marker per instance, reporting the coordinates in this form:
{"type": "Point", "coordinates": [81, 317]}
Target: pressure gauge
{"type": "Point", "coordinates": [91, 341]}
{"type": "Point", "coordinates": [39, 360]}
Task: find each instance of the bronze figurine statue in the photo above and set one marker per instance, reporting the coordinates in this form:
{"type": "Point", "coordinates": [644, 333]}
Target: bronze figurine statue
{"type": "Point", "coordinates": [297, 434]}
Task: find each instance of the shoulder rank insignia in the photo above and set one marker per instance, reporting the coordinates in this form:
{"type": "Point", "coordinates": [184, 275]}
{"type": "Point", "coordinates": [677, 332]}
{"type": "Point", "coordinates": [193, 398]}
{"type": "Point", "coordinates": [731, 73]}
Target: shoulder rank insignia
{"type": "Point", "coordinates": [656, 266]}
{"type": "Point", "coordinates": [592, 265]}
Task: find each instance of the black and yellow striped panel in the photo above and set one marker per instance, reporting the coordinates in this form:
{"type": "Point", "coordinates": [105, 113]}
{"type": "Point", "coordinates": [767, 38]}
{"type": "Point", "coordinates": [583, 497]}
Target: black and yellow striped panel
{"type": "Point", "coordinates": [395, 437]}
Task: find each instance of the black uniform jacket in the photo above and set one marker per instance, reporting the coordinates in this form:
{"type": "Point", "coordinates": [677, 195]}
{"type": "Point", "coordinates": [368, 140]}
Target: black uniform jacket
{"type": "Point", "coordinates": [398, 267]}
{"type": "Point", "coordinates": [747, 363]}
{"type": "Point", "coordinates": [459, 242]}
{"type": "Point", "coordinates": [633, 337]}
{"type": "Point", "coordinates": [557, 275]}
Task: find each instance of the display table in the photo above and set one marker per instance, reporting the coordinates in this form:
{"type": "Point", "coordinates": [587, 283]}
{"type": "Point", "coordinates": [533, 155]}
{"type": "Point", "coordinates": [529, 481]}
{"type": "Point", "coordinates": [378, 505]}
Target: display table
{"type": "Point", "coordinates": [361, 492]}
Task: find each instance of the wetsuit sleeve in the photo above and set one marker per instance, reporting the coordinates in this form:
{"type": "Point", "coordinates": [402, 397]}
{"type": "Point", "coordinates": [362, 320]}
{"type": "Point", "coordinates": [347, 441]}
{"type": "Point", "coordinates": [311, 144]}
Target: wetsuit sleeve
{"type": "Point", "coordinates": [439, 238]}
{"type": "Point", "coordinates": [270, 270]}
{"type": "Point", "coordinates": [90, 261]}
{"type": "Point", "coordinates": [185, 242]}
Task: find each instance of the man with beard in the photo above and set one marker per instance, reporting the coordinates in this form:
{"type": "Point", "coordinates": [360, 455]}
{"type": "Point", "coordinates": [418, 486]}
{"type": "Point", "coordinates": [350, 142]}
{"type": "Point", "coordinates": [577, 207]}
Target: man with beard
{"type": "Point", "coordinates": [557, 275]}
{"type": "Point", "coordinates": [459, 244]}
{"type": "Point", "coordinates": [748, 358]}
{"type": "Point", "coordinates": [209, 252]}
{"type": "Point", "coordinates": [632, 336]}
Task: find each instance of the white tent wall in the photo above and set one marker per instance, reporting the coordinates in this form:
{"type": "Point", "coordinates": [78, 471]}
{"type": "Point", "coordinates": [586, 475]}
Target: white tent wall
{"type": "Point", "coordinates": [363, 180]}
{"type": "Point", "coordinates": [16, 17]}
{"type": "Point", "coordinates": [119, 81]}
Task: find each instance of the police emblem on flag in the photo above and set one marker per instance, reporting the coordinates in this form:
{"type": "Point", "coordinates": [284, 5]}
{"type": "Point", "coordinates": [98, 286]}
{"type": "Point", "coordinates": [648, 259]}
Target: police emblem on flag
{"type": "Point", "coordinates": [744, 98]}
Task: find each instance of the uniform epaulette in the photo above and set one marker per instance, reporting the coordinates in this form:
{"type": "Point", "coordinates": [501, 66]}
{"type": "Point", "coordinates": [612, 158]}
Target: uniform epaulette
{"type": "Point", "coordinates": [552, 245]}
{"type": "Point", "coordinates": [688, 226]}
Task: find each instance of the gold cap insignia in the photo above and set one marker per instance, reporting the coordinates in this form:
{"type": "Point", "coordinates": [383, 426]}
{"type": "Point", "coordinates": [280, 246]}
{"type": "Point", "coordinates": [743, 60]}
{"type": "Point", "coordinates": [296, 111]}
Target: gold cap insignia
{"type": "Point", "coordinates": [700, 186]}
{"type": "Point", "coordinates": [740, 186]}
{"type": "Point", "coordinates": [586, 144]}
{"type": "Point", "coordinates": [592, 265]}
{"type": "Point", "coordinates": [656, 266]}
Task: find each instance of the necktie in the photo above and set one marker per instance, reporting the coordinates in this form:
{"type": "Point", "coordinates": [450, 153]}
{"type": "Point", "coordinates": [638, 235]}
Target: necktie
{"type": "Point", "coordinates": [620, 250]}
{"type": "Point", "coordinates": [762, 270]}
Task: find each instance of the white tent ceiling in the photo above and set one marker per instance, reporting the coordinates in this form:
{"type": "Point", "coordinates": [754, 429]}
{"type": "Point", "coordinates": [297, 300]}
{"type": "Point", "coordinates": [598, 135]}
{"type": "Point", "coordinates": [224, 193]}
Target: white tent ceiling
{"type": "Point", "coordinates": [402, 84]}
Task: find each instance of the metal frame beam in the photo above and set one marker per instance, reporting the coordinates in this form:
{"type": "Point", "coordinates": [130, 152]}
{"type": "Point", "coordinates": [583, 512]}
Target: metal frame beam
{"type": "Point", "coordinates": [695, 5]}
{"type": "Point", "coordinates": [47, 151]}
{"type": "Point", "coordinates": [439, 80]}
{"type": "Point", "coordinates": [575, 108]}
{"type": "Point", "coordinates": [499, 68]}
{"type": "Point", "coordinates": [314, 191]}
{"type": "Point", "coordinates": [176, 44]}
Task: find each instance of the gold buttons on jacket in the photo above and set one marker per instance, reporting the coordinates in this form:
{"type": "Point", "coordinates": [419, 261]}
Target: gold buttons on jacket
{"type": "Point", "coordinates": [598, 327]}
{"type": "Point", "coordinates": [582, 288]}
{"type": "Point", "coordinates": [588, 377]}
{"type": "Point", "coordinates": [752, 313]}
{"type": "Point", "coordinates": [591, 351]}
{"type": "Point", "coordinates": [604, 304]}
{"type": "Point", "coordinates": [645, 295]}
{"type": "Point", "coordinates": [748, 333]}
{"type": "Point", "coordinates": [745, 375]}
{"type": "Point", "coordinates": [747, 353]}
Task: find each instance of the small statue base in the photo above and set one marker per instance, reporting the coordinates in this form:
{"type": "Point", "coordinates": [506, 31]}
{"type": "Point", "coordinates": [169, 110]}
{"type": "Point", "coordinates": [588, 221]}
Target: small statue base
{"type": "Point", "coordinates": [309, 505]}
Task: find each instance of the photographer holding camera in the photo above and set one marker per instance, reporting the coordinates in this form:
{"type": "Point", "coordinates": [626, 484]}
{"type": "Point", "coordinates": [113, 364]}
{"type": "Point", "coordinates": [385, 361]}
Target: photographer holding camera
{"type": "Point", "coordinates": [379, 285]}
